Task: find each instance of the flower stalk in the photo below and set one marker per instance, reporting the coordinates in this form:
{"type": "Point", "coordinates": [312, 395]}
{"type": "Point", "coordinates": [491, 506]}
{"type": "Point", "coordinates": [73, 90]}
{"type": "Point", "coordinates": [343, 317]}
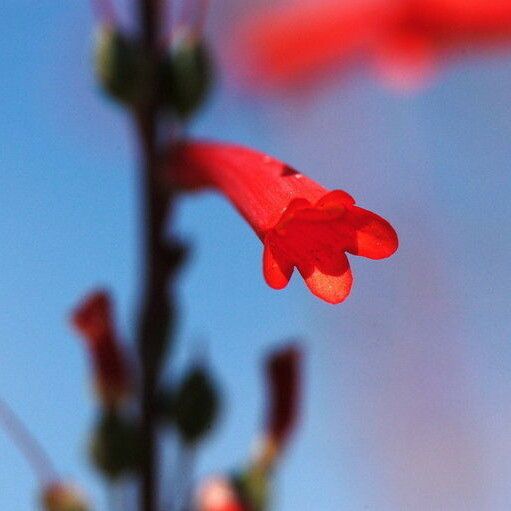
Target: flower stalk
{"type": "Point", "coordinates": [28, 445]}
{"type": "Point", "coordinates": [154, 313]}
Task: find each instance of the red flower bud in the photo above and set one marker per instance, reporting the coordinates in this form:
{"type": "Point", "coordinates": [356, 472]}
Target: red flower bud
{"type": "Point", "coordinates": [63, 497]}
{"type": "Point", "coordinates": [93, 320]}
{"type": "Point", "coordinates": [300, 223]}
{"type": "Point", "coordinates": [283, 374]}
{"type": "Point", "coordinates": [218, 495]}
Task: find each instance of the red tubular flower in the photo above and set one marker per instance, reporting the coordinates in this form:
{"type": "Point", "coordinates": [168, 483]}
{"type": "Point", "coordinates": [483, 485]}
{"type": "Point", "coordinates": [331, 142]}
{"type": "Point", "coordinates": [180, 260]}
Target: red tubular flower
{"type": "Point", "coordinates": [93, 320]}
{"type": "Point", "coordinates": [288, 43]}
{"type": "Point", "coordinates": [300, 223]}
{"type": "Point", "coordinates": [404, 37]}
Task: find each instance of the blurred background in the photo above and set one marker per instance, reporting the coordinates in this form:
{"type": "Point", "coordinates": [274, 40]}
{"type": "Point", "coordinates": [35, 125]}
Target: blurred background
{"type": "Point", "coordinates": [407, 396]}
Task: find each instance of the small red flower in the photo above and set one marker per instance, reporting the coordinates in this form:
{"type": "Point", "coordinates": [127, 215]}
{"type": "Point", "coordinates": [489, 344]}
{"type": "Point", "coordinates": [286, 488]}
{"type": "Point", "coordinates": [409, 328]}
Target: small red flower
{"type": "Point", "coordinates": [63, 497]}
{"type": "Point", "coordinates": [218, 494]}
{"type": "Point", "coordinates": [93, 320]}
{"type": "Point", "coordinates": [300, 223]}
{"type": "Point", "coordinates": [404, 38]}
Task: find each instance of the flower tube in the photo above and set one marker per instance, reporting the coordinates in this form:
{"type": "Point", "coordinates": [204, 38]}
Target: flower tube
{"type": "Point", "coordinates": [301, 223]}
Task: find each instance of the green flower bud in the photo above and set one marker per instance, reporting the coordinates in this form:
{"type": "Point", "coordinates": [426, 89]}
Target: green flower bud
{"type": "Point", "coordinates": [194, 407]}
{"type": "Point", "coordinates": [115, 446]}
{"type": "Point", "coordinates": [186, 74]}
{"type": "Point", "coordinates": [117, 62]}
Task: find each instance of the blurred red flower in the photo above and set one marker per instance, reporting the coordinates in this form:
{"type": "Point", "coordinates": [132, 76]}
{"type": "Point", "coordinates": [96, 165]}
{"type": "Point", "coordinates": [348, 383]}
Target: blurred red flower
{"type": "Point", "coordinates": [63, 497]}
{"type": "Point", "coordinates": [403, 38]}
{"type": "Point", "coordinates": [300, 223]}
{"type": "Point", "coordinates": [288, 43]}
{"type": "Point", "coordinates": [218, 494]}
{"type": "Point", "coordinates": [93, 320]}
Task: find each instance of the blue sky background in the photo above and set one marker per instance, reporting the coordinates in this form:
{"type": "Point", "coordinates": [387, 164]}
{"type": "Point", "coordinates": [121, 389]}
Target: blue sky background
{"type": "Point", "coordinates": [407, 398]}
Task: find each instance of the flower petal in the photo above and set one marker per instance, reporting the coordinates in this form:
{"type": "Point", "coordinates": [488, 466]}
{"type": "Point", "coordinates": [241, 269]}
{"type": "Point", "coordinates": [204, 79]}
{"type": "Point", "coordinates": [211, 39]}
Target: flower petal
{"type": "Point", "coordinates": [331, 286]}
{"type": "Point", "coordinates": [335, 199]}
{"type": "Point", "coordinates": [375, 238]}
{"type": "Point", "coordinates": [277, 269]}
{"type": "Point", "coordinates": [294, 206]}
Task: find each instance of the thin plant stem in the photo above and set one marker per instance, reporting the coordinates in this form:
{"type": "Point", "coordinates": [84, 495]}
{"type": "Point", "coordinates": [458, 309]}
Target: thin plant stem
{"type": "Point", "coordinates": [104, 11]}
{"type": "Point", "coordinates": [28, 445]}
{"type": "Point", "coordinates": [193, 15]}
{"type": "Point", "coordinates": [200, 18]}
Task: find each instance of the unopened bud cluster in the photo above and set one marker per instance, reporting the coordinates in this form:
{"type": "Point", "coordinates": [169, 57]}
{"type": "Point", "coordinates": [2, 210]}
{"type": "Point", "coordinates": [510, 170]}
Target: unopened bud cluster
{"type": "Point", "coordinates": [180, 80]}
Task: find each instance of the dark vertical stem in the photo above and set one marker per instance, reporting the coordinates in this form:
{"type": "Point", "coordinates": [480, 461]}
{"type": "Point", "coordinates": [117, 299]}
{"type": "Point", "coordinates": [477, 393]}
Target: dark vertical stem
{"type": "Point", "coordinates": [154, 311]}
